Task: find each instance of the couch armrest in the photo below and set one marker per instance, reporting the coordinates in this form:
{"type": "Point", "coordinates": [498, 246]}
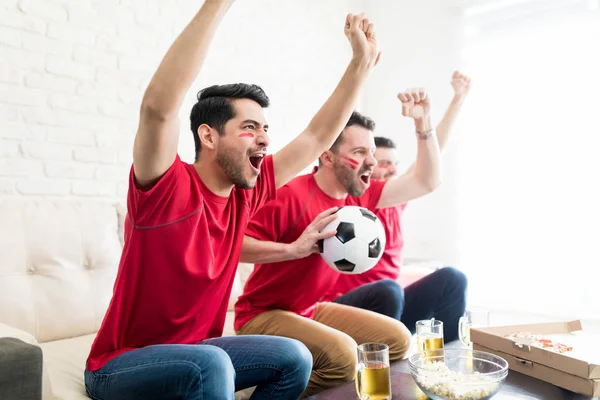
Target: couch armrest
{"type": "Point", "coordinates": [21, 366]}
{"type": "Point", "coordinates": [9, 332]}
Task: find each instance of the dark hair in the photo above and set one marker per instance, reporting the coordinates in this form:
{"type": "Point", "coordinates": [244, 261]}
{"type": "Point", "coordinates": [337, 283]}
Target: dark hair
{"type": "Point", "coordinates": [381, 141]}
{"type": "Point", "coordinates": [355, 119]}
{"type": "Point", "coordinates": [214, 107]}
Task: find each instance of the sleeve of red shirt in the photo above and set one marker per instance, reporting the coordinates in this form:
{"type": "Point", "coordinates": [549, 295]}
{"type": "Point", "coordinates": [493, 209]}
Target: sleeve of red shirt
{"type": "Point", "coordinates": [265, 189]}
{"type": "Point", "coordinates": [271, 221]}
{"type": "Point", "coordinates": [372, 195]}
{"type": "Point", "coordinates": [165, 202]}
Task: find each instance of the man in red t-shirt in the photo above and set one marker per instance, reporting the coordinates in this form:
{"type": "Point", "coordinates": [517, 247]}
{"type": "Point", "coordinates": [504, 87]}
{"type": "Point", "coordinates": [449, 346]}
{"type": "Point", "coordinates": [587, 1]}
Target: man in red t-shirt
{"type": "Point", "coordinates": [283, 294]}
{"type": "Point", "coordinates": [161, 335]}
{"type": "Point", "coordinates": [443, 293]}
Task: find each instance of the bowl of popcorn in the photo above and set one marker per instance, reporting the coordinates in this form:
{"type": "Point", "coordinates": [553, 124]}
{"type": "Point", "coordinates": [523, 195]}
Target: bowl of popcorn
{"type": "Point", "coordinates": [455, 374]}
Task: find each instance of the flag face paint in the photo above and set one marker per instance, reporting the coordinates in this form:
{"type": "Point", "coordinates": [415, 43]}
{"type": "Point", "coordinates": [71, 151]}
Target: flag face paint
{"type": "Point", "coordinates": [246, 134]}
{"type": "Point", "coordinates": [350, 162]}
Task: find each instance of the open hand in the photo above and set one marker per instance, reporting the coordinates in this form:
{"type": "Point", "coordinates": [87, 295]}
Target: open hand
{"type": "Point", "coordinates": [361, 34]}
{"type": "Point", "coordinates": [306, 244]}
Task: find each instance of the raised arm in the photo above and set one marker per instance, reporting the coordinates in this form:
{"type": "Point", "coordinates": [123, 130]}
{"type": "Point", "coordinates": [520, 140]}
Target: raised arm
{"type": "Point", "coordinates": [461, 85]}
{"type": "Point", "coordinates": [155, 146]}
{"type": "Point", "coordinates": [329, 121]}
{"type": "Point", "coordinates": [256, 251]}
{"type": "Point", "coordinates": [426, 174]}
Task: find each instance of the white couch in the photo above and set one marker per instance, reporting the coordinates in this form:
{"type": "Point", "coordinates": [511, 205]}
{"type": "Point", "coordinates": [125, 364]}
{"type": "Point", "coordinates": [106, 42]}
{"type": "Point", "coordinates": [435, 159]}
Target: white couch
{"type": "Point", "coordinates": [58, 261]}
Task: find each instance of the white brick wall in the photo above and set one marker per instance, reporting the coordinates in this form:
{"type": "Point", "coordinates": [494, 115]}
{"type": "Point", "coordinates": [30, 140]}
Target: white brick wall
{"type": "Point", "coordinates": [73, 73]}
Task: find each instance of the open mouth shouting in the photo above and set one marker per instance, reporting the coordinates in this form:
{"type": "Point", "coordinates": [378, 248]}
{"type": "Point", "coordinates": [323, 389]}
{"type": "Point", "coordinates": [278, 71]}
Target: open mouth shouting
{"type": "Point", "coordinates": [365, 178]}
{"type": "Point", "coordinates": [256, 160]}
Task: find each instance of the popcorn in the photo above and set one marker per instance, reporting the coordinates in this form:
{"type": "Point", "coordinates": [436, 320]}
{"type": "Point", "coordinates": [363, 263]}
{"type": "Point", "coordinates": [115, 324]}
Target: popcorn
{"type": "Point", "coordinates": [438, 379]}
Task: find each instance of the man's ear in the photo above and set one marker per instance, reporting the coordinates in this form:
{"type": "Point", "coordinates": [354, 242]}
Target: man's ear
{"type": "Point", "coordinates": [207, 136]}
{"type": "Point", "coordinates": [326, 158]}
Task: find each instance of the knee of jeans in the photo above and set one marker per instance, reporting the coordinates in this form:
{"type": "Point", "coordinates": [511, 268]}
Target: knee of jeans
{"type": "Point", "coordinates": [390, 289]}
{"type": "Point", "coordinates": [215, 369]}
{"type": "Point", "coordinates": [457, 278]}
{"type": "Point", "coordinates": [397, 337]}
{"type": "Point", "coordinates": [392, 292]}
{"type": "Point", "coordinates": [343, 358]}
{"type": "Point", "coordinates": [296, 359]}
{"type": "Point", "coordinates": [392, 295]}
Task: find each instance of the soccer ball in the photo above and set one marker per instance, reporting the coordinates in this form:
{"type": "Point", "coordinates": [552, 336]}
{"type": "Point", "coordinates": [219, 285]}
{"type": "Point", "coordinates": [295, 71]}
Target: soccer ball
{"type": "Point", "coordinates": [358, 243]}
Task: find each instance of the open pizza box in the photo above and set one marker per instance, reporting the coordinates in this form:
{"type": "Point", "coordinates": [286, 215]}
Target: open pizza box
{"type": "Point", "coordinates": [577, 370]}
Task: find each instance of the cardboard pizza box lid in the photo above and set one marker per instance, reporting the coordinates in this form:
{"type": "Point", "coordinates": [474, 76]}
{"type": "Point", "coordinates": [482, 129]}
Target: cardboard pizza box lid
{"type": "Point", "coordinates": [577, 384]}
{"type": "Point", "coordinates": [583, 361]}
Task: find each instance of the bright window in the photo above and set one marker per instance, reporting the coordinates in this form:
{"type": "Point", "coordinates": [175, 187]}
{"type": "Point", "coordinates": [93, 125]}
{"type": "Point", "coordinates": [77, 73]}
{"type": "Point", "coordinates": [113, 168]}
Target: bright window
{"type": "Point", "coordinates": [529, 162]}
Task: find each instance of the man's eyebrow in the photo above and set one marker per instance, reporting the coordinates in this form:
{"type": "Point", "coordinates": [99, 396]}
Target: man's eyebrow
{"type": "Point", "coordinates": [251, 121]}
{"type": "Point", "coordinates": [359, 148]}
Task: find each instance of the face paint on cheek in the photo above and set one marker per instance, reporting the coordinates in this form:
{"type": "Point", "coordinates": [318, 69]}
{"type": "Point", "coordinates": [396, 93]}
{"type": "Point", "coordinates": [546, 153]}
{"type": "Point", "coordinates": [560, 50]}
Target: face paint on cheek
{"type": "Point", "coordinates": [382, 167]}
{"type": "Point", "coordinates": [246, 134]}
{"type": "Point", "coordinates": [350, 162]}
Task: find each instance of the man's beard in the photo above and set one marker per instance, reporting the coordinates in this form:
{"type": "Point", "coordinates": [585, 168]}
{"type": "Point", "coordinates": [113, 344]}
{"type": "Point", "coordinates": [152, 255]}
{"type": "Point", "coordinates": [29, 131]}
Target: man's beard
{"type": "Point", "coordinates": [233, 168]}
{"type": "Point", "coordinates": [348, 179]}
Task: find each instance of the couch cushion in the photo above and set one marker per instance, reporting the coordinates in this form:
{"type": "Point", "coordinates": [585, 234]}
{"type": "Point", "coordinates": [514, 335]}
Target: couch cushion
{"type": "Point", "coordinates": [228, 329]}
{"type": "Point", "coordinates": [241, 276]}
{"type": "Point", "coordinates": [65, 360]}
{"type": "Point", "coordinates": [58, 265]}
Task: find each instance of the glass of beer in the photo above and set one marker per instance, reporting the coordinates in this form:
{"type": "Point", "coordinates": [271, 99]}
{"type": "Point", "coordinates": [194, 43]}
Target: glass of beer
{"type": "Point", "coordinates": [373, 372]}
{"type": "Point", "coordinates": [430, 336]}
{"type": "Point", "coordinates": [473, 318]}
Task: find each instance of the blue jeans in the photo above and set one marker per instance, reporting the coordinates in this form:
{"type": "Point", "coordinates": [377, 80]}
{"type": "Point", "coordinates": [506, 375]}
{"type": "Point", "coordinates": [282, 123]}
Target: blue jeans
{"type": "Point", "coordinates": [214, 369]}
{"type": "Point", "coordinates": [441, 295]}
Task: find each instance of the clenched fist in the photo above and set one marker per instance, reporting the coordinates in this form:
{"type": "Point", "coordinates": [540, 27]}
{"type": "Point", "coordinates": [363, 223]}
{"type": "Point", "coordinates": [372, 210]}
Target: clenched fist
{"type": "Point", "coordinates": [361, 34]}
{"type": "Point", "coordinates": [415, 103]}
{"type": "Point", "coordinates": [460, 83]}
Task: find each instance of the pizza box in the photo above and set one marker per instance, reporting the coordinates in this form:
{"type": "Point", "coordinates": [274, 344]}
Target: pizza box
{"type": "Point", "coordinates": [587, 387]}
{"type": "Point", "coordinates": [577, 370]}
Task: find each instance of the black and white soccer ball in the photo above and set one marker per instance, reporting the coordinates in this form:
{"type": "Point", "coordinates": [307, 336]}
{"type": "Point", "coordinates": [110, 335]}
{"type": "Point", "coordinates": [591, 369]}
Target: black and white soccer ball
{"type": "Point", "coordinates": [358, 243]}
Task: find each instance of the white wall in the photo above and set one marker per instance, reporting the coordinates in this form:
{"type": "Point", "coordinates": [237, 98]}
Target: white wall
{"type": "Point", "coordinates": [421, 48]}
{"type": "Point", "coordinates": [73, 73]}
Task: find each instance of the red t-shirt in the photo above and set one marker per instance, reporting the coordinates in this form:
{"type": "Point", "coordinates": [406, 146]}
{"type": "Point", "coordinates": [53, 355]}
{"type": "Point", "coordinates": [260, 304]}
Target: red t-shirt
{"type": "Point", "coordinates": [296, 285]}
{"type": "Point", "coordinates": [391, 260]}
{"type": "Point", "coordinates": [181, 252]}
